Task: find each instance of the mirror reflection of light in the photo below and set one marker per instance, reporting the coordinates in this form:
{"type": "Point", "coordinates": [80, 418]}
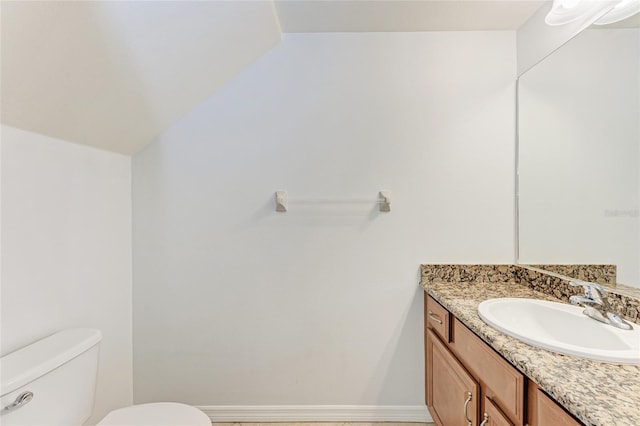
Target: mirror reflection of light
{"type": "Point", "coordinates": [566, 11]}
{"type": "Point", "coordinates": [622, 11]}
{"type": "Point", "coordinates": [569, 4]}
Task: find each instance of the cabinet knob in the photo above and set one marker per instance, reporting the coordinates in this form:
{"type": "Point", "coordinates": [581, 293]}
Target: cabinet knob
{"type": "Point", "coordinates": [486, 420]}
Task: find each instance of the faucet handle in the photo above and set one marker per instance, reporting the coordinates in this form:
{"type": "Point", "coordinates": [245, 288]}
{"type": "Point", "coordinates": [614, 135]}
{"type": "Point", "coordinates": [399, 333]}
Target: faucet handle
{"type": "Point", "coordinates": [597, 306]}
{"type": "Point", "coordinates": [591, 290]}
{"type": "Point", "coordinates": [587, 285]}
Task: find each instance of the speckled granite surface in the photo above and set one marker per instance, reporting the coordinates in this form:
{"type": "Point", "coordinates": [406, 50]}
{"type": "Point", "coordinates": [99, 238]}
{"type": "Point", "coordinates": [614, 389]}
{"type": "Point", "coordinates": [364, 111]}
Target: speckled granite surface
{"type": "Point", "coordinates": [601, 274]}
{"type": "Point", "coordinates": [623, 300]}
{"type": "Point", "coordinates": [597, 393]}
{"type": "Point", "coordinates": [470, 273]}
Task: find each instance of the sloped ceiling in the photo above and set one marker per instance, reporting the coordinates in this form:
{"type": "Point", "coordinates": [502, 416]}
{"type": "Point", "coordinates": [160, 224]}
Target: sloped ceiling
{"type": "Point", "coordinates": [116, 74]}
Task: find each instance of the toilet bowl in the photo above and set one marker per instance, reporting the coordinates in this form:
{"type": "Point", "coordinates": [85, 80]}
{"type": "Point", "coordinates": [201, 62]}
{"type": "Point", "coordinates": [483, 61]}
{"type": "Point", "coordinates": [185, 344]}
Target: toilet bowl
{"type": "Point", "coordinates": [53, 382]}
{"type": "Point", "coordinates": [156, 414]}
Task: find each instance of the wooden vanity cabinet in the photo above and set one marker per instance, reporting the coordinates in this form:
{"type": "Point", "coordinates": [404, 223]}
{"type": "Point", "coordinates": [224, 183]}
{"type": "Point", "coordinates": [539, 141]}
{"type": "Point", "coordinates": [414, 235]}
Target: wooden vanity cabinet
{"type": "Point", "coordinates": [459, 363]}
{"type": "Point", "coordinates": [492, 416]}
{"type": "Point", "coordinates": [455, 401]}
{"type": "Point", "coordinates": [437, 318]}
{"type": "Point", "coordinates": [543, 411]}
{"type": "Point", "coordinates": [501, 383]}
{"type": "Point", "coordinates": [461, 367]}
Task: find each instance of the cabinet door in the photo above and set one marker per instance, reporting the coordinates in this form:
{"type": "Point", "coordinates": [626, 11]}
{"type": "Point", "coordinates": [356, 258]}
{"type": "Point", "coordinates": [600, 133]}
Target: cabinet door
{"type": "Point", "coordinates": [492, 415]}
{"type": "Point", "coordinates": [544, 411]}
{"type": "Point", "coordinates": [502, 383]}
{"type": "Point", "coordinates": [452, 394]}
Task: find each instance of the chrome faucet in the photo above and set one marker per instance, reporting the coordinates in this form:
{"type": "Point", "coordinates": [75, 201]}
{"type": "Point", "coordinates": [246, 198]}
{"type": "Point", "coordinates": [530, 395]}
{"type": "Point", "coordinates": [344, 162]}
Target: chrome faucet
{"type": "Point", "coordinates": [596, 305]}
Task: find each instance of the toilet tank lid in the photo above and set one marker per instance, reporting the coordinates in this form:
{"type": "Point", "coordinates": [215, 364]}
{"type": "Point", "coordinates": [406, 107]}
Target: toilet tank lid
{"type": "Point", "coordinates": [33, 361]}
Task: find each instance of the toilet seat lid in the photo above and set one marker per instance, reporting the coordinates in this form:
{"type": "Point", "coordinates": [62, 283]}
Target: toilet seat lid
{"type": "Point", "coordinates": [157, 414]}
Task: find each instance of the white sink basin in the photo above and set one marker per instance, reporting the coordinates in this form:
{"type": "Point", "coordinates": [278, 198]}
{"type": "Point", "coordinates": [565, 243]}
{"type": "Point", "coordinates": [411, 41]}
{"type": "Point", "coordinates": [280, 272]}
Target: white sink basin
{"type": "Point", "coordinates": [562, 328]}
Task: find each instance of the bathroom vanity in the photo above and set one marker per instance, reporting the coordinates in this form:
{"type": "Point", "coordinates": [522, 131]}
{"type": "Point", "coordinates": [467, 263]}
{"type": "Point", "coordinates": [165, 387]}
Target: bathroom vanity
{"type": "Point", "coordinates": [468, 382]}
{"type": "Point", "coordinates": [476, 375]}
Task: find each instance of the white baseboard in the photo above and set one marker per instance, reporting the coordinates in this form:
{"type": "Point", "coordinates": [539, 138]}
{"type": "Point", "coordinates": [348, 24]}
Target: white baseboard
{"type": "Point", "coordinates": [316, 413]}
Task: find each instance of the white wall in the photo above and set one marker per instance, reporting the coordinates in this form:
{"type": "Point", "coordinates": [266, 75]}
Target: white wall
{"type": "Point", "coordinates": [579, 143]}
{"type": "Point", "coordinates": [66, 251]}
{"type": "Point", "coordinates": [235, 304]}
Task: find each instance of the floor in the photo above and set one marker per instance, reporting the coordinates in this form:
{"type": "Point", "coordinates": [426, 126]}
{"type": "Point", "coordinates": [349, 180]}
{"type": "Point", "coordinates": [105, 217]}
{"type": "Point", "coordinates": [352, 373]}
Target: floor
{"type": "Point", "coordinates": [325, 424]}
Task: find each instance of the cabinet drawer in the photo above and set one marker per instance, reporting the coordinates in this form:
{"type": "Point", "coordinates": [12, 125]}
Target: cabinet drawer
{"type": "Point", "coordinates": [545, 411]}
{"type": "Point", "coordinates": [437, 318]}
{"type": "Point", "coordinates": [502, 383]}
{"type": "Point", "coordinates": [492, 416]}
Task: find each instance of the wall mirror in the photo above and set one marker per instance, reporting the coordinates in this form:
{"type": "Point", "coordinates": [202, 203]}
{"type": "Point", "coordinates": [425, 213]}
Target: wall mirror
{"type": "Point", "coordinates": [579, 153]}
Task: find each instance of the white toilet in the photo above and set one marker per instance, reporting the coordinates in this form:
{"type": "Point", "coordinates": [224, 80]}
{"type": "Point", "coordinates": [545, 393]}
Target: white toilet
{"type": "Point", "coordinates": [53, 381]}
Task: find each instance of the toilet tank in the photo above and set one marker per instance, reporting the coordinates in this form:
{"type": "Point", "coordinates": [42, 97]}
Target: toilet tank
{"type": "Point", "coordinates": [59, 371]}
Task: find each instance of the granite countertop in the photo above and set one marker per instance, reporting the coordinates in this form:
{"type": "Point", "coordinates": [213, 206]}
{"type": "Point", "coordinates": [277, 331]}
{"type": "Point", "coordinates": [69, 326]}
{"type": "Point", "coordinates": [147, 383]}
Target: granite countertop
{"type": "Point", "coordinates": [597, 393]}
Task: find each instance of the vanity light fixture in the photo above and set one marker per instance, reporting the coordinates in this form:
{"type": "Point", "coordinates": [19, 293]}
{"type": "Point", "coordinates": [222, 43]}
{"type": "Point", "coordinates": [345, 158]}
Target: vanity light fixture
{"type": "Point", "coordinates": [623, 10]}
{"type": "Point", "coordinates": [566, 11]}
